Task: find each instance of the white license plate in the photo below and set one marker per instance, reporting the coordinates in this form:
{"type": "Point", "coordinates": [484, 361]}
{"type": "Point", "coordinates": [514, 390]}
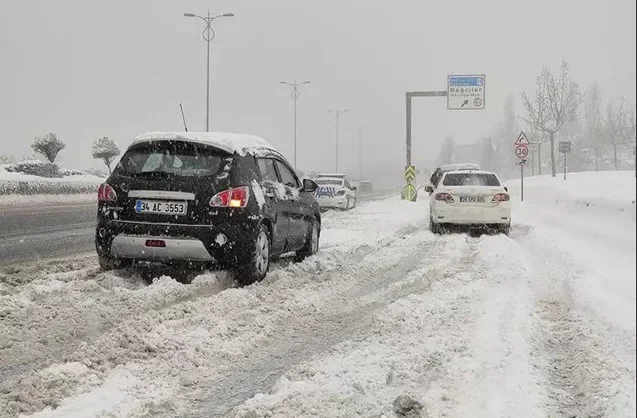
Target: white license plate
{"type": "Point", "coordinates": [472, 199]}
{"type": "Point", "coordinates": [161, 207]}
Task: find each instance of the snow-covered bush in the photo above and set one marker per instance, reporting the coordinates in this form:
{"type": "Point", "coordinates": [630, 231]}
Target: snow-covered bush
{"type": "Point", "coordinates": [53, 187]}
{"type": "Point", "coordinates": [72, 172]}
{"type": "Point", "coordinates": [35, 168]}
{"type": "Point", "coordinates": [97, 172]}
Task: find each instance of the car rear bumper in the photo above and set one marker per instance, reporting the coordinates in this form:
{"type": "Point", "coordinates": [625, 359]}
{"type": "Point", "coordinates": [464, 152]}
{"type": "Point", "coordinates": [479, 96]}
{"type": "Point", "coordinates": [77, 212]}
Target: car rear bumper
{"type": "Point", "coordinates": [224, 245]}
{"type": "Point", "coordinates": [135, 247]}
{"type": "Point", "coordinates": [339, 202]}
{"type": "Point", "coordinates": [472, 215]}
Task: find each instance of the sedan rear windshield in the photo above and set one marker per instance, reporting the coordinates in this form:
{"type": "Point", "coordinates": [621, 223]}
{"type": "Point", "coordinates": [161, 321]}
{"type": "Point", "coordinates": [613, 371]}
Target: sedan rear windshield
{"type": "Point", "coordinates": [471, 179]}
{"type": "Point", "coordinates": [162, 159]}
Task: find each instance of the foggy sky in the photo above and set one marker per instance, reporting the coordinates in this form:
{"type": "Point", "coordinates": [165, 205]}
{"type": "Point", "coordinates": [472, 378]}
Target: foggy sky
{"type": "Point", "coordinates": [86, 69]}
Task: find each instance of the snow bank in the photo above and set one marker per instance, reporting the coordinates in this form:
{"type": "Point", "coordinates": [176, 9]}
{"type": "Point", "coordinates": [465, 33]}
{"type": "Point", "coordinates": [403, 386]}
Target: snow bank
{"type": "Point", "coordinates": [607, 190]}
{"type": "Point", "coordinates": [19, 200]}
{"type": "Point", "coordinates": [24, 184]}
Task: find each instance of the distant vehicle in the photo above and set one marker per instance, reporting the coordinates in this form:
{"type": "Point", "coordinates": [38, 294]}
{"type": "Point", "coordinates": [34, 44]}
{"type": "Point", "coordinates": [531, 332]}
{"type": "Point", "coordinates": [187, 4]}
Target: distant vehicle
{"type": "Point", "coordinates": [335, 192]}
{"type": "Point", "coordinates": [469, 197]}
{"type": "Point", "coordinates": [435, 177]}
{"type": "Point", "coordinates": [366, 186]}
{"type": "Point", "coordinates": [217, 199]}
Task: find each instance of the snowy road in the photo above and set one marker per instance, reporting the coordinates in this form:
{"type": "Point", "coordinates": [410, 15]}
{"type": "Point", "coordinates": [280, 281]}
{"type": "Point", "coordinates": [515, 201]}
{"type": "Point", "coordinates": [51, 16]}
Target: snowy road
{"type": "Point", "coordinates": [537, 324]}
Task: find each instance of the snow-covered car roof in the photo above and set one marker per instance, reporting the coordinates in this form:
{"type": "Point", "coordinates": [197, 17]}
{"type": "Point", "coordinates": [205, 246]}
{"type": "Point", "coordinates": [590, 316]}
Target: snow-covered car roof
{"type": "Point", "coordinates": [331, 175]}
{"type": "Point", "coordinates": [469, 171]}
{"type": "Point", "coordinates": [330, 178]}
{"type": "Point", "coordinates": [233, 143]}
{"type": "Point", "coordinates": [460, 166]}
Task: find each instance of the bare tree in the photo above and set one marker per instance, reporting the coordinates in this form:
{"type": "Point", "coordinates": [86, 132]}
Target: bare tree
{"type": "Point", "coordinates": [446, 152]}
{"type": "Point", "coordinates": [49, 146]}
{"type": "Point", "coordinates": [106, 150]}
{"type": "Point", "coordinates": [593, 109]}
{"type": "Point", "coordinates": [536, 138]}
{"type": "Point", "coordinates": [618, 126]}
{"type": "Point", "coordinates": [556, 103]}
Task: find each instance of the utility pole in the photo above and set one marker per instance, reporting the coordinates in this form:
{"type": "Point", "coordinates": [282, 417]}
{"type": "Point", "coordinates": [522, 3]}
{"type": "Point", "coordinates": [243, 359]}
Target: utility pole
{"type": "Point", "coordinates": [337, 114]}
{"type": "Point", "coordinates": [295, 96]}
{"type": "Point", "coordinates": [208, 35]}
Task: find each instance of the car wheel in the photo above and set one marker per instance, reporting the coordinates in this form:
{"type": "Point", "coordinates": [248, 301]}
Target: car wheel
{"type": "Point", "coordinates": [354, 204]}
{"type": "Point", "coordinates": [505, 229]}
{"type": "Point", "coordinates": [258, 263]}
{"type": "Point", "coordinates": [110, 263]}
{"type": "Point", "coordinates": [434, 227]}
{"type": "Point", "coordinates": [311, 243]}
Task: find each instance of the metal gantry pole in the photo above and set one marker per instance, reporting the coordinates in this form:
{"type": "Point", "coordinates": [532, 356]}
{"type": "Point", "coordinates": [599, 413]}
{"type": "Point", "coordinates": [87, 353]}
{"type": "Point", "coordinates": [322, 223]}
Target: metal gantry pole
{"type": "Point", "coordinates": [295, 96]}
{"type": "Point", "coordinates": [208, 35]}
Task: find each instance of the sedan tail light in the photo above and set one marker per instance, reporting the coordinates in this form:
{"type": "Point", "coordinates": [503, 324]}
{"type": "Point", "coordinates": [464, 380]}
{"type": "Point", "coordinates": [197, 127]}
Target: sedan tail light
{"type": "Point", "coordinates": [105, 193]}
{"type": "Point", "coordinates": [444, 197]}
{"type": "Point", "coordinates": [501, 197]}
{"type": "Point", "coordinates": [236, 197]}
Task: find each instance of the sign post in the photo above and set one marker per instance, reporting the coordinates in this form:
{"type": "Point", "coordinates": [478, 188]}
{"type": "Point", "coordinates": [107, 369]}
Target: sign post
{"type": "Point", "coordinates": [521, 145]}
{"type": "Point", "coordinates": [565, 148]}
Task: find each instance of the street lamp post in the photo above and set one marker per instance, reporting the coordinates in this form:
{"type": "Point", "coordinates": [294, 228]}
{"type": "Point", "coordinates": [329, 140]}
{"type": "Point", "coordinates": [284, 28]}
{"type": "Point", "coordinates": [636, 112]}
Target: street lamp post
{"type": "Point", "coordinates": [208, 35]}
{"type": "Point", "coordinates": [295, 96]}
{"type": "Point", "coordinates": [337, 114]}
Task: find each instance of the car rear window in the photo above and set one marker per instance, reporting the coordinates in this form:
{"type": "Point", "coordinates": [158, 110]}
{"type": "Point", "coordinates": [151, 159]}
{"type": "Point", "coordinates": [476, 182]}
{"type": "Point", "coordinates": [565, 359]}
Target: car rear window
{"type": "Point", "coordinates": [173, 159]}
{"type": "Point", "coordinates": [327, 182]}
{"type": "Point", "coordinates": [471, 179]}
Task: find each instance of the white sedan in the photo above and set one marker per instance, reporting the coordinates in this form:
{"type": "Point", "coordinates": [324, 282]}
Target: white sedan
{"type": "Point", "coordinates": [469, 197]}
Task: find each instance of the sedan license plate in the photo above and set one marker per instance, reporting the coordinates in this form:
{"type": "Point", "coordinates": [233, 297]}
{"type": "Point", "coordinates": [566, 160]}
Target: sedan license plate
{"type": "Point", "coordinates": [472, 199]}
{"type": "Point", "coordinates": [161, 207]}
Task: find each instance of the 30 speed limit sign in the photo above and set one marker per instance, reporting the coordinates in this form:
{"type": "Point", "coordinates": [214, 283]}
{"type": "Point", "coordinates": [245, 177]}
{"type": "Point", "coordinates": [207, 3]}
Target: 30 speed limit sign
{"type": "Point", "coordinates": [522, 151]}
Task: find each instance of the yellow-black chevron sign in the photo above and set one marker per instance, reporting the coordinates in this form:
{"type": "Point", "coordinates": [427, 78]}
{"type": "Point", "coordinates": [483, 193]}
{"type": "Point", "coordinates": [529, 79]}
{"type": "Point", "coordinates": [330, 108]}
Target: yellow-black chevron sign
{"type": "Point", "coordinates": [410, 173]}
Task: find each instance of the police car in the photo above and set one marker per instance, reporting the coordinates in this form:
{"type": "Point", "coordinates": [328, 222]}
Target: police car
{"type": "Point", "coordinates": [335, 192]}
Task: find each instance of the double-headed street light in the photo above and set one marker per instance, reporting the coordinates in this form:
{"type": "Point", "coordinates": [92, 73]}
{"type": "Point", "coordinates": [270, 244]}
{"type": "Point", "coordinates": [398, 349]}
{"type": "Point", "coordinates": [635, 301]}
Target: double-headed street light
{"type": "Point", "coordinates": [337, 114]}
{"type": "Point", "coordinates": [295, 95]}
{"type": "Point", "coordinates": [208, 35]}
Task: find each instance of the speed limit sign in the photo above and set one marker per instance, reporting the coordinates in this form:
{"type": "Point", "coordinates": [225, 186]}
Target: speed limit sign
{"type": "Point", "coordinates": [522, 151]}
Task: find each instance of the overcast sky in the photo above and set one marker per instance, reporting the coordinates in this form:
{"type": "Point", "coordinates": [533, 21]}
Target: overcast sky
{"type": "Point", "coordinates": [85, 69]}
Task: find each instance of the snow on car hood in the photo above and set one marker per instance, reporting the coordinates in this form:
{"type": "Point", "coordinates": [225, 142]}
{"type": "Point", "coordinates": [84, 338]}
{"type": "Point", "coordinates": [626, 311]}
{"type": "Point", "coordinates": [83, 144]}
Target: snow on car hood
{"type": "Point", "coordinates": [233, 143]}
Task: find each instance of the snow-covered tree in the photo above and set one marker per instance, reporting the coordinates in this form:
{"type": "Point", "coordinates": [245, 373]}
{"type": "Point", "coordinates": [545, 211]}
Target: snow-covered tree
{"type": "Point", "coordinates": [106, 150]}
{"type": "Point", "coordinates": [49, 146]}
{"type": "Point", "coordinates": [446, 152]}
{"type": "Point", "coordinates": [617, 126]}
{"type": "Point", "coordinates": [556, 103]}
{"type": "Point", "coordinates": [593, 112]}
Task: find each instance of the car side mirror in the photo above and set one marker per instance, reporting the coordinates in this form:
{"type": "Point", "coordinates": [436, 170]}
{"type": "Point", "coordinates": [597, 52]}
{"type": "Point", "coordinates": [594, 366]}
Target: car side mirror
{"type": "Point", "coordinates": [354, 188]}
{"type": "Point", "coordinates": [309, 186]}
{"type": "Point", "coordinates": [506, 189]}
{"type": "Point", "coordinates": [429, 189]}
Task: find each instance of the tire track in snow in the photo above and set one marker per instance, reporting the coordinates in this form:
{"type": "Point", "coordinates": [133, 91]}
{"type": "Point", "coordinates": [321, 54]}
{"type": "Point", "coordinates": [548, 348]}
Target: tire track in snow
{"type": "Point", "coordinates": [588, 363]}
{"type": "Point", "coordinates": [307, 336]}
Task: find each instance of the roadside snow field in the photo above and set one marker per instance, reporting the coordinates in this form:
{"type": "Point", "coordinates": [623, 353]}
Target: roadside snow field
{"type": "Point", "coordinates": [538, 324]}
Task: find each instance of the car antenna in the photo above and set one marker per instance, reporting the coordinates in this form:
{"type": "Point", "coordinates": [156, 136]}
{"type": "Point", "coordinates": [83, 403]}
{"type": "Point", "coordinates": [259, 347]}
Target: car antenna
{"type": "Point", "coordinates": [183, 117]}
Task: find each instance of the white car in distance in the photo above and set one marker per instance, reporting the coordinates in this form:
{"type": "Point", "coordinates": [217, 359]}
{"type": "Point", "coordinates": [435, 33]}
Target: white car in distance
{"type": "Point", "coordinates": [469, 197]}
{"type": "Point", "coordinates": [335, 192]}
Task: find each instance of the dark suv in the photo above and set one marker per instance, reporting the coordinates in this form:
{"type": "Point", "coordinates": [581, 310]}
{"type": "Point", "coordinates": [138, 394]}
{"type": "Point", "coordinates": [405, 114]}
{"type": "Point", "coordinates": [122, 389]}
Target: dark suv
{"type": "Point", "coordinates": [226, 200]}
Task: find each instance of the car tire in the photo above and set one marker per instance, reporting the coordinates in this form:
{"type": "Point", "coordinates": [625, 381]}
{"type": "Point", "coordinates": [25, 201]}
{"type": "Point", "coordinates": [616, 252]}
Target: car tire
{"type": "Point", "coordinates": [311, 243]}
{"type": "Point", "coordinates": [256, 266]}
{"type": "Point", "coordinates": [434, 227]}
{"type": "Point", "coordinates": [110, 263]}
{"type": "Point", "coordinates": [505, 229]}
{"type": "Point", "coordinates": [354, 204]}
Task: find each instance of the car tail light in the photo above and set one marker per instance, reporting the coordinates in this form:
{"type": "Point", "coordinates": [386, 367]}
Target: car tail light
{"type": "Point", "coordinates": [444, 197]}
{"type": "Point", "coordinates": [156, 243]}
{"type": "Point", "coordinates": [236, 197]}
{"type": "Point", "coordinates": [501, 197]}
{"type": "Point", "coordinates": [105, 193]}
